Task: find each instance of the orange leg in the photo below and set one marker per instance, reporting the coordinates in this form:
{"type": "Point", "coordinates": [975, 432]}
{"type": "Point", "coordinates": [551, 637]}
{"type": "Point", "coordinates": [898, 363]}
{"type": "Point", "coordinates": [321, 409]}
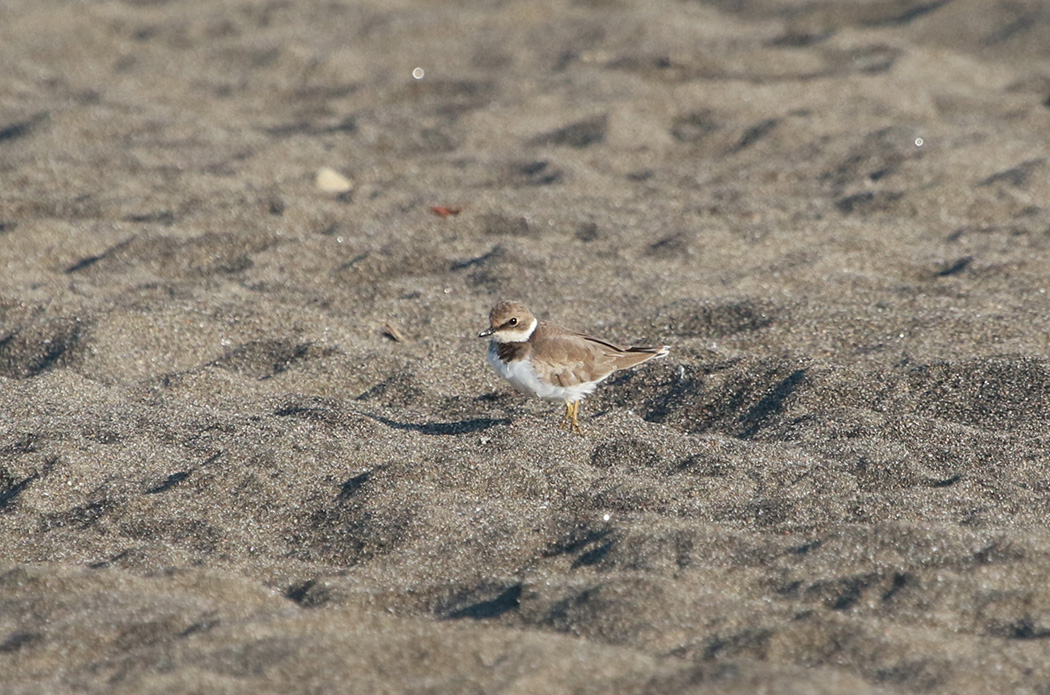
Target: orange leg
{"type": "Point", "coordinates": [570, 422]}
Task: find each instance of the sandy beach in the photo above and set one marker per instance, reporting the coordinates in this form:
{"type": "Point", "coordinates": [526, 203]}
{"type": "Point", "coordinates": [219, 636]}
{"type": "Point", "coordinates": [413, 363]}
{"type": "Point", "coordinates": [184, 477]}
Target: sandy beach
{"type": "Point", "coordinates": [249, 442]}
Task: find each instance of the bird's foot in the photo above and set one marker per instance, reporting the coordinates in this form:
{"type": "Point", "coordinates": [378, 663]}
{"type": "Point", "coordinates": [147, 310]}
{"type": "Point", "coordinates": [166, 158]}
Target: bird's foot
{"type": "Point", "coordinates": [569, 422]}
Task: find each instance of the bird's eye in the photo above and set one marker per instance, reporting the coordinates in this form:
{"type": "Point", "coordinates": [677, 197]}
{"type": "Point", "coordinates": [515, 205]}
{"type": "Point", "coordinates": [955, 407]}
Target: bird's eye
{"type": "Point", "coordinates": [513, 322]}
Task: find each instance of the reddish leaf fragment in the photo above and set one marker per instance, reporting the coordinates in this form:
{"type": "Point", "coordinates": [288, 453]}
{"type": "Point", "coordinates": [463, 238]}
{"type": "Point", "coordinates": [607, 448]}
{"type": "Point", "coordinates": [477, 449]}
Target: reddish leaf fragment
{"type": "Point", "coordinates": [443, 211]}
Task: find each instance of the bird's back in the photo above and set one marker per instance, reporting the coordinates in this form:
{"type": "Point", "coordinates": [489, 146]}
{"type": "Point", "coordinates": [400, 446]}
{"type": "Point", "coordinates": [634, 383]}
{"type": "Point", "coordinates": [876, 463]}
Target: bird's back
{"type": "Point", "coordinates": [592, 359]}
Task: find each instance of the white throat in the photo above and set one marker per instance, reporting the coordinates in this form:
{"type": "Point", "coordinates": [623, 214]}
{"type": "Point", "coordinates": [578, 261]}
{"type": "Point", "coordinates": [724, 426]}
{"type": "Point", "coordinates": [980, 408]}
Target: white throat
{"type": "Point", "coordinates": [515, 336]}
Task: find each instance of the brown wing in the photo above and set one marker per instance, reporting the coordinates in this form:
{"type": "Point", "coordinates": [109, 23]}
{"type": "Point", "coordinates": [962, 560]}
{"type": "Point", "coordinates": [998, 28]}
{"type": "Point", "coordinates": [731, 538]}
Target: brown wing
{"type": "Point", "coordinates": [567, 358]}
{"type": "Point", "coordinates": [569, 361]}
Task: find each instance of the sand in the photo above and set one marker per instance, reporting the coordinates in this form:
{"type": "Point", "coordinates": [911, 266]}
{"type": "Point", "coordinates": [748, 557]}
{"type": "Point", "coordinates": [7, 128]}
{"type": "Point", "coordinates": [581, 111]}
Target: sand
{"type": "Point", "coordinates": [248, 439]}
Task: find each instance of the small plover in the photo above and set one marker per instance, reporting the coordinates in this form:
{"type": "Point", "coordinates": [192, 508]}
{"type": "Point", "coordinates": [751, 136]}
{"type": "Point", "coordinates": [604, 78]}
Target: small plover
{"type": "Point", "coordinates": [545, 360]}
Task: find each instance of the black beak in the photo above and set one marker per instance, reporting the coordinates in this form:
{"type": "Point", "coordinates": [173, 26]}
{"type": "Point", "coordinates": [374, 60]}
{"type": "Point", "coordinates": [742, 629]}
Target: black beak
{"type": "Point", "coordinates": [485, 333]}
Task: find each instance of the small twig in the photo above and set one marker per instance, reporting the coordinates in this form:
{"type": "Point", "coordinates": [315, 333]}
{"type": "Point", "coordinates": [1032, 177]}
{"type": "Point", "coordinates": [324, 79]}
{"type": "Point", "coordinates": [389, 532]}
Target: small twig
{"type": "Point", "coordinates": [391, 331]}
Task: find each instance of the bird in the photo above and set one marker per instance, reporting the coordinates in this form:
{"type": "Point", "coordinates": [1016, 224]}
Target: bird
{"type": "Point", "coordinates": [551, 362]}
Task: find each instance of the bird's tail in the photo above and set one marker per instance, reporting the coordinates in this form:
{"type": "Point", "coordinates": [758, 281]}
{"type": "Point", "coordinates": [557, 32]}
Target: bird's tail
{"type": "Point", "coordinates": [654, 351]}
{"type": "Point", "coordinates": [636, 355]}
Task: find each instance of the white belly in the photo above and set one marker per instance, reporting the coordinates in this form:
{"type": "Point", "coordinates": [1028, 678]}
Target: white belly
{"type": "Point", "coordinates": [523, 377]}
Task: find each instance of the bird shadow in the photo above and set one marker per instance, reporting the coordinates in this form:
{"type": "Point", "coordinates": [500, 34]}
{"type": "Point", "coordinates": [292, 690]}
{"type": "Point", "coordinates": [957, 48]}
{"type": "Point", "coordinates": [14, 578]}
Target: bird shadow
{"type": "Point", "coordinates": [443, 428]}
